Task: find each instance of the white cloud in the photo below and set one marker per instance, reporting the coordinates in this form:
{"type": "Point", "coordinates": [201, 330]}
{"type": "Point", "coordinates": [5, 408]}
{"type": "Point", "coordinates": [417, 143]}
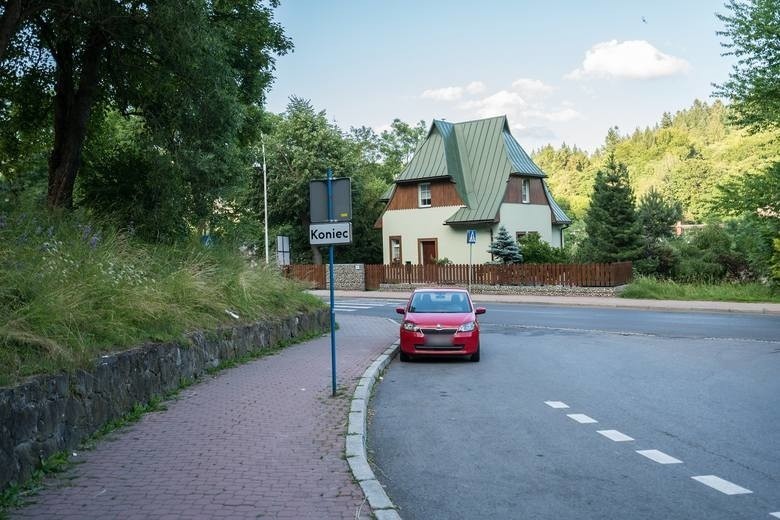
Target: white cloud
{"type": "Point", "coordinates": [532, 88]}
{"type": "Point", "coordinates": [500, 103]}
{"type": "Point", "coordinates": [475, 87]}
{"type": "Point", "coordinates": [557, 116]}
{"type": "Point", "coordinates": [443, 94]}
{"type": "Point", "coordinates": [634, 59]}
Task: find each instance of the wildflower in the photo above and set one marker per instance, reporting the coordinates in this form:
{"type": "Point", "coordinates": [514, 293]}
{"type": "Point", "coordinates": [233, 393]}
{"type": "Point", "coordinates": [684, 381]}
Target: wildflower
{"type": "Point", "coordinates": [94, 241]}
{"type": "Point", "coordinates": [2, 222]}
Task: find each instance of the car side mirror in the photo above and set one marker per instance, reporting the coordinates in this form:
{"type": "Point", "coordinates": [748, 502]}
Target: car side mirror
{"type": "Point", "coordinates": [480, 310]}
{"type": "Point", "coordinates": [400, 310]}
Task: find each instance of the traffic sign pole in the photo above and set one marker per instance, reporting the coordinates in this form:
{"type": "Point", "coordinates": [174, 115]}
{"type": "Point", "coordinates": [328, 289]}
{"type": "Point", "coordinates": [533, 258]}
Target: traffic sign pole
{"type": "Point", "coordinates": [332, 293]}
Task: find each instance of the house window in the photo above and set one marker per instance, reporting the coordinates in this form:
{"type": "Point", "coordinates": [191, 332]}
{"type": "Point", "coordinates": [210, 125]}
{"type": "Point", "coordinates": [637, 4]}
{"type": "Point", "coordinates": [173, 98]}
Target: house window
{"type": "Point", "coordinates": [395, 250]}
{"type": "Point", "coordinates": [526, 191]}
{"type": "Point", "coordinates": [424, 191]}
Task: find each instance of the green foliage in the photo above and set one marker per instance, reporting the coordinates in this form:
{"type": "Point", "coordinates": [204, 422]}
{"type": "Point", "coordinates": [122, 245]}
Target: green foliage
{"type": "Point", "coordinates": [654, 289]}
{"type": "Point", "coordinates": [709, 255]}
{"type": "Point", "coordinates": [537, 251]}
{"type": "Point", "coordinates": [752, 30]}
{"type": "Point", "coordinates": [70, 289]}
{"type": "Point", "coordinates": [754, 204]}
{"type": "Point", "coordinates": [776, 265]}
{"type": "Point", "coordinates": [686, 157]}
{"type": "Point", "coordinates": [177, 85]}
{"type": "Point", "coordinates": [505, 248]}
{"type": "Point", "coordinates": [657, 215]}
{"type": "Point", "coordinates": [611, 222]}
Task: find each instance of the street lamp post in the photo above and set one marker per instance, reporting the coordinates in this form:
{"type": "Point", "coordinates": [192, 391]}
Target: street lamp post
{"type": "Point", "coordinates": [265, 197]}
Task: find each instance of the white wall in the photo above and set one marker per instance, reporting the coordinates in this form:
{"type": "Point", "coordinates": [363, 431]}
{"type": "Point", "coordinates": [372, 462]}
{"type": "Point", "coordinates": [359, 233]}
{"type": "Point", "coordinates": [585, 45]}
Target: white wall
{"type": "Point", "coordinates": [412, 224]}
{"type": "Point", "coordinates": [528, 217]}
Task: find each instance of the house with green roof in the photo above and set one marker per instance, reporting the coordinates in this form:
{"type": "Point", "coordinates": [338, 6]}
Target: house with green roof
{"type": "Point", "coordinates": [470, 175]}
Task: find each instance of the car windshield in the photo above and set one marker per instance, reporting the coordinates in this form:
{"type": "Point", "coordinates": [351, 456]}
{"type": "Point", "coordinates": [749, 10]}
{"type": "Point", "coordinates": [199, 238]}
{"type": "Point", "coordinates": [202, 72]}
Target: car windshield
{"type": "Point", "coordinates": [440, 301]}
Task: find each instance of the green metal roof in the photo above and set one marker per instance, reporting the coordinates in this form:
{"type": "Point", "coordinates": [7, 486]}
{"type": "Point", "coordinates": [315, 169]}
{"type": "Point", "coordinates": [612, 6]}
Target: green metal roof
{"type": "Point", "coordinates": [478, 156]}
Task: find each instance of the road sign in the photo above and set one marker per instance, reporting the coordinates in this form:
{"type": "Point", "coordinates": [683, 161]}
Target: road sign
{"type": "Point", "coordinates": [342, 200]}
{"type": "Point", "coordinates": [471, 236]}
{"type": "Point", "coordinates": [330, 233]}
{"type": "Point", "coordinates": [282, 250]}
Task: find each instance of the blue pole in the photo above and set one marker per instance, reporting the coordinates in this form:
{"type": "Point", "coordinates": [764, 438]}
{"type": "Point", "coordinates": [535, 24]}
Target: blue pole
{"type": "Point", "coordinates": [332, 295]}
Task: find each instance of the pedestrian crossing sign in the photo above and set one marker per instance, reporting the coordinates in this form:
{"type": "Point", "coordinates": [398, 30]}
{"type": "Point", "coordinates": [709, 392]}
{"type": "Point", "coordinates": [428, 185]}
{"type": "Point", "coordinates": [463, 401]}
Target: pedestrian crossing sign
{"type": "Point", "coordinates": [471, 236]}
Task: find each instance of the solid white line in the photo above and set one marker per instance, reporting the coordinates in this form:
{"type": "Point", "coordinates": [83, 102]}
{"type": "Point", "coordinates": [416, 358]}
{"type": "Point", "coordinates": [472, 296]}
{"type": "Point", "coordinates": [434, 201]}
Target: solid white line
{"type": "Point", "coordinates": [339, 309]}
{"type": "Point", "coordinates": [776, 515]}
{"type": "Point", "coordinates": [724, 486]}
{"type": "Point", "coordinates": [581, 418]}
{"type": "Point", "coordinates": [615, 435]}
{"type": "Point", "coordinates": [659, 457]}
{"type": "Point", "coordinates": [556, 404]}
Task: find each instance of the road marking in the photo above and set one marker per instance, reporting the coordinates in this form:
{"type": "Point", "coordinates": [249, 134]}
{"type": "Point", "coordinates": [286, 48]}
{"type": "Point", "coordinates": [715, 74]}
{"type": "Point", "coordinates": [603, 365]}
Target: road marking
{"type": "Point", "coordinates": [615, 435]}
{"type": "Point", "coordinates": [556, 404]}
{"type": "Point", "coordinates": [352, 306]}
{"type": "Point", "coordinates": [581, 418]}
{"type": "Point", "coordinates": [724, 486]}
{"type": "Point", "coordinates": [342, 309]}
{"type": "Point", "coordinates": [776, 515]}
{"type": "Point", "coordinates": [659, 457]}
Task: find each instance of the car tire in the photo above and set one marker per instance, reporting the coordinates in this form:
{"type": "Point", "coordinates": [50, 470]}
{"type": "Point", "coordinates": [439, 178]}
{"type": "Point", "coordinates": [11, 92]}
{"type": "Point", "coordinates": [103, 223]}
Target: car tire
{"type": "Point", "coordinates": [404, 356]}
{"type": "Point", "coordinates": [475, 356]}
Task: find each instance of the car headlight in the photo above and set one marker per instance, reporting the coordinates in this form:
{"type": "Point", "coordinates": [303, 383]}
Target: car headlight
{"type": "Point", "coordinates": [467, 327]}
{"type": "Point", "coordinates": [408, 325]}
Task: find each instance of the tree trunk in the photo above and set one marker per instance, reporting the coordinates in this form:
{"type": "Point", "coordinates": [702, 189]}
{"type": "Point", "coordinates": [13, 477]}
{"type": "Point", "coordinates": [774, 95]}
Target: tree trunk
{"type": "Point", "coordinates": [316, 255]}
{"type": "Point", "coordinates": [72, 109]}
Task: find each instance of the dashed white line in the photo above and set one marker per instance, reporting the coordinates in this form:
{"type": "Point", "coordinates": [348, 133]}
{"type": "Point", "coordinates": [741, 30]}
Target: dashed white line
{"type": "Point", "coordinates": [581, 418]}
{"type": "Point", "coordinates": [724, 486]}
{"type": "Point", "coordinates": [343, 309]}
{"type": "Point", "coordinates": [615, 435]}
{"type": "Point", "coordinates": [659, 457]}
{"type": "Point", "coordinates": [556, 404]}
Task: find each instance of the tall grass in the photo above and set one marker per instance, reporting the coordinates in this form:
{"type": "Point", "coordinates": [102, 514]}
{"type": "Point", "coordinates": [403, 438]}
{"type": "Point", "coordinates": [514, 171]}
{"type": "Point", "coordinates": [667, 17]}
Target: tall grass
{"type": "Point", "coordinates": [652, 289]}
{"type": "Point", "coordinates": [71, 290]}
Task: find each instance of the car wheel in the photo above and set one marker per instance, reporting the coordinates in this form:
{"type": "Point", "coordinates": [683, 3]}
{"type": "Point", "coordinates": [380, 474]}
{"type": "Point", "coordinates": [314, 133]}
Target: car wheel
{"type": "Point", "coordinates": [475, 355]}
{"type": "Point", "coordinates": [404, 356]}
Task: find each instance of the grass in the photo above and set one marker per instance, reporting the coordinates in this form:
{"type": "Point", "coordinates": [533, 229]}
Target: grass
{"type": "Point", "coordinates": [652, 289]}
{"type": "Point", "coordinates": [71, 290]}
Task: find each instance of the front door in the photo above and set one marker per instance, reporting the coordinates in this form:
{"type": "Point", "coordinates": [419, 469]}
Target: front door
{"type": "Point", "coordinates": [428, 253]}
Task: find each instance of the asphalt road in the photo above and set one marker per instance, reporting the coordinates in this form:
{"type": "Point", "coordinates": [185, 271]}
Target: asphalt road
{"type": "Point", "coordinates": [696, 393]}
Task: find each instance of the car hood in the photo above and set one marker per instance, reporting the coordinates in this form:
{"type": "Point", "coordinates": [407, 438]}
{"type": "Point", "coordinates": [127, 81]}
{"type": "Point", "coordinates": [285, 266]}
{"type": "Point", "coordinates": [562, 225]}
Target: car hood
{"type": "Point", "coordinates": [440, 318]}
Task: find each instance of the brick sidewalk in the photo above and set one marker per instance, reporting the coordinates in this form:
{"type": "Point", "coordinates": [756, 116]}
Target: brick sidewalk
{"type": "Point", "coordinates": [263, 440]}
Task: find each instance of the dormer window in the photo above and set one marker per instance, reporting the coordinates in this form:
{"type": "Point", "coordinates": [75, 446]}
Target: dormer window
{"type": "Point", "coordinates": [424, 194]}
{"type": "Point", "coordinates": [526, 191]}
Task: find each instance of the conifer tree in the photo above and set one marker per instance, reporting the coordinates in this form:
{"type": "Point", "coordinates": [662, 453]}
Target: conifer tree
{"type": "Point", "coordinates": [611, 223]}
{"type": "Point", "coordinates": [505, 248]}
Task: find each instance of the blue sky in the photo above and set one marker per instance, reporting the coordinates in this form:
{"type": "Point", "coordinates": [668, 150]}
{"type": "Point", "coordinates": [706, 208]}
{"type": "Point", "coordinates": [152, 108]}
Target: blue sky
{"type": "Point", "coordinates": [562, 71]}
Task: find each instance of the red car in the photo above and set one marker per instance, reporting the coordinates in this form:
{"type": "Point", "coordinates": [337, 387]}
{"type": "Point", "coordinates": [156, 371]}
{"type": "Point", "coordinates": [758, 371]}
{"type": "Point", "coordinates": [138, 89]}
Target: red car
{"type": "Point", "coordinates": [440, 322]}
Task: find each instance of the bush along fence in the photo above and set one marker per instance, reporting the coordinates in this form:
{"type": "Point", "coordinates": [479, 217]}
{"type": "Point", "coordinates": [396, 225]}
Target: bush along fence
{"type": "Point", "coordinates": [567, 275]}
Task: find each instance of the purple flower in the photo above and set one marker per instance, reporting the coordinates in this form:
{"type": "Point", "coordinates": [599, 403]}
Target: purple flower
{"type": "Point", "coordinates": [94, 241]}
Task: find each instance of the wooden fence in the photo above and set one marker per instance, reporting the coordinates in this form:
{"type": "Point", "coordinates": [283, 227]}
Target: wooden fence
{"type": "Point", "coordinates": [313, 274]}
{"type": "Point", "coordinates": [580, 275]}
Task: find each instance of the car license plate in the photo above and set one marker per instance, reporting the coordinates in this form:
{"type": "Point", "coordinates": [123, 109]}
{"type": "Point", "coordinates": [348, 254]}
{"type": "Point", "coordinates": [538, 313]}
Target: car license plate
{"type": "Point", "coordinates": [438, 340]}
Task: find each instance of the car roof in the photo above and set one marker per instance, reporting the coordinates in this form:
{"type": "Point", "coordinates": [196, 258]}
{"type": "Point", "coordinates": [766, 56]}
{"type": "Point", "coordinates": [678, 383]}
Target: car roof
{"type": "Point", "coordinates": [443, 289]}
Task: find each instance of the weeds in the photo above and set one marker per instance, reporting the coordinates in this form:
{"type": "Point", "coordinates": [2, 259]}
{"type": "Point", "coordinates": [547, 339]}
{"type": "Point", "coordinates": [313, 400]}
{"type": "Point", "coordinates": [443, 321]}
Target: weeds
{"type": "Point", "coordinates": [650, 288]}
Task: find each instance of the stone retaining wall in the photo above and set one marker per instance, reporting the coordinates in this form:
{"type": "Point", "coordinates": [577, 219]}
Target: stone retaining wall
{"type": "Point", "coordinates": [48, 414]}
{"type": "Point", "coordinates": [531, 290]}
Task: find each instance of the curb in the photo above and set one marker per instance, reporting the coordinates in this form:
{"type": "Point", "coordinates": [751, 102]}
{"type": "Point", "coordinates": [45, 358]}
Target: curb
{"type": "Point", "coordinates": [383, 507]}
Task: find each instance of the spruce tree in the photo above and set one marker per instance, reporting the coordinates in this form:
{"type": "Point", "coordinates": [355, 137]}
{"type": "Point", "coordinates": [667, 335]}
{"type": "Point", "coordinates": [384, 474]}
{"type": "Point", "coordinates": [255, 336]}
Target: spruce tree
{"type": "Point", "coordinates": [505, 248]}
{"type": "Point", "coordinates": [614, 233]}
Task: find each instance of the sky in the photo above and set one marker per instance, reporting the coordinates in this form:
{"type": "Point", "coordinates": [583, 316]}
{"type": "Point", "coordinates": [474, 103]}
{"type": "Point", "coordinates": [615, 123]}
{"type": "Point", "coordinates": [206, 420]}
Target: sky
{"type": "Point", "coordinates": [561, 71]}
